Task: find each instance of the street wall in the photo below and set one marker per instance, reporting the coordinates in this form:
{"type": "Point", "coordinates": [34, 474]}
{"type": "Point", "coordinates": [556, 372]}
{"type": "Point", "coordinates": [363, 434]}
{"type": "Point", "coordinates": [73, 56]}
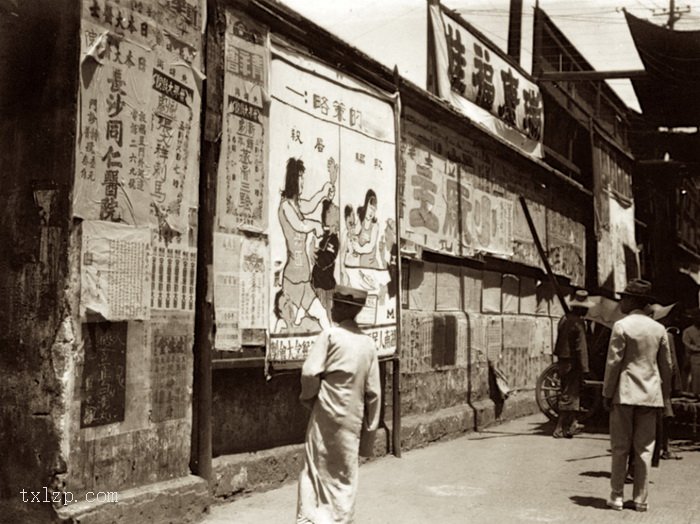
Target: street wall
{"type": "Point", "coordinates": [38, 90]}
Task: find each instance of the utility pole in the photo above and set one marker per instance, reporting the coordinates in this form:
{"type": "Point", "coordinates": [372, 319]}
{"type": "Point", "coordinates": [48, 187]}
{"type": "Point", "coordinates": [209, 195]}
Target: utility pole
{"type": "Point", "coordinates": [673, 14]}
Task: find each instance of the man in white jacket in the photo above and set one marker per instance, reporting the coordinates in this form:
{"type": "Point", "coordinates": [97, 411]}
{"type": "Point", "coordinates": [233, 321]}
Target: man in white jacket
{"type": "Point", "coordinates": [637, 373]}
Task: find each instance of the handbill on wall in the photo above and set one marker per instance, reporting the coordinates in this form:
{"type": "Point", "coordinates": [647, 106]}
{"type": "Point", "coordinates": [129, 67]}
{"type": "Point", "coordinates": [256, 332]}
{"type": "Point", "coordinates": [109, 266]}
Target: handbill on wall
{"type": "Point", "coordinates": [524, 249]}
{"type": "Point", "coordinates": [242, 177]}
{"type": "Point", "coordinates": [474, 78]}
{"type": "Point", "coordinates": [332, 216]}
{"type": "Point", "coordinates": [227, 250]}
{"type": "Point", "coordinates": [104, 373]}
{"type": "Point", "coordinates": [115, 273]}
{"type": "Point", "coordinates": [566, 247]}
{"type": "Point", "coordinates": [138, 134]}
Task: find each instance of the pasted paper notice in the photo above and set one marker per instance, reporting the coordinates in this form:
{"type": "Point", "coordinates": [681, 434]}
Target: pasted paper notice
{"type": "Point", "coordinates": [115, 271]}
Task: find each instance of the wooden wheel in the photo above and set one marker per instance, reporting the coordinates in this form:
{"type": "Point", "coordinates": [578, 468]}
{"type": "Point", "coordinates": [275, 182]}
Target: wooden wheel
{"type": "Point", "coordinates": [547, 392]}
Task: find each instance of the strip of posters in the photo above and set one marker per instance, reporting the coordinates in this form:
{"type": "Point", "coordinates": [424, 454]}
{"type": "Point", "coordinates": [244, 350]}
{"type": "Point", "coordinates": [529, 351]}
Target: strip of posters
{"type": "Point", "coordinates": [484, 86]}
{"type": "Point", "coordinates": [332, 216]}
{"type": "Point", "coordinates": [242, 177]}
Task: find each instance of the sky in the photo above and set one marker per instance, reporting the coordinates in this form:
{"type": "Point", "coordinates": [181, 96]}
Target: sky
{"type": "Point", "coordinates": [394, 32]}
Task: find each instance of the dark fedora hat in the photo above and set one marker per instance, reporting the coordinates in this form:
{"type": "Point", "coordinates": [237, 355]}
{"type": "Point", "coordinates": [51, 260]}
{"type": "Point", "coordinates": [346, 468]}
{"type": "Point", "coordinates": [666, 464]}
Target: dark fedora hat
{"type": "Point", "coordinates": [638, 288]}
{"type": "Point", "coordinates": [350, 295]}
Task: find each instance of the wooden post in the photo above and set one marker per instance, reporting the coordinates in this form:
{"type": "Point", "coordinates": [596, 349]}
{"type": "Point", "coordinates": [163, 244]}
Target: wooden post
{"type": "Point", "coordinates": [204, 314]}
{"type": "Point", "coordinates": [515, 22]}
{"type": "Point", "coordinates": [396, 367]}
{"type": "Point", "coordinates": [543, 255]}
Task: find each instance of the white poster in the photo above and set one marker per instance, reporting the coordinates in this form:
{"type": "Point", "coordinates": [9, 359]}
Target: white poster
{"type": "Point", "coordinates": [485, 87]}
{"type": "Point", "coordinates": [115, 263]}
{"type": "Point", "coordinates": [487, 222]}
{"type": "Point", "coordinates": [331, 197]}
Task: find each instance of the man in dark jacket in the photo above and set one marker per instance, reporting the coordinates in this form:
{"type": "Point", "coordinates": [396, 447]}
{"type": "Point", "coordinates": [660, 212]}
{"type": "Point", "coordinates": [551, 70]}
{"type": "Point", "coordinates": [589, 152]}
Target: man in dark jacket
{"type": "Point", "coordinates": [571, 350]}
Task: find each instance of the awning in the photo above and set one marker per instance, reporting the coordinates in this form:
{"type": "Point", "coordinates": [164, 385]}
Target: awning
{"type": "Point", "coordinates": [669, 93]}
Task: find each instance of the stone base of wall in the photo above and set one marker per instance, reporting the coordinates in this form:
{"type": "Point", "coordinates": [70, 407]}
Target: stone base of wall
{"type": "Point", "coordinates": [183, 500]}
{"type": "Point", "coordinates": [264, 470]}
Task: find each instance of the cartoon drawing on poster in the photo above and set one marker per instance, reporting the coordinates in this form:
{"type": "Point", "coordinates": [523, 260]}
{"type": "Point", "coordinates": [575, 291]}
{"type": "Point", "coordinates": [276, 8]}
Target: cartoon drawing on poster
{"type": "Point", "coordinates": [331, 208]}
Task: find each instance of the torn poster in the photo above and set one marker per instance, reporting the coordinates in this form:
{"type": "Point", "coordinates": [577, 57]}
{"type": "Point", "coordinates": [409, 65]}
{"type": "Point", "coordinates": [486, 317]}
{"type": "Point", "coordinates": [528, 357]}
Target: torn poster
{"type": "Point", "coordinates": [253, 287]}
{"type": "Point", "coordinates": [115, 265]}
{"type": "Point", "coordinates": [138, 129]}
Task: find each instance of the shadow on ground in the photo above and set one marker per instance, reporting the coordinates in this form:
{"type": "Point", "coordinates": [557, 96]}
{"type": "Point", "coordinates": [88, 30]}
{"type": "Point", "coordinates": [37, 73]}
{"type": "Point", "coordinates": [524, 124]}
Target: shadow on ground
{"type": "Point", "coordinates": [596, 474]}
{"type": "Point", "coordinates": [591, 502]}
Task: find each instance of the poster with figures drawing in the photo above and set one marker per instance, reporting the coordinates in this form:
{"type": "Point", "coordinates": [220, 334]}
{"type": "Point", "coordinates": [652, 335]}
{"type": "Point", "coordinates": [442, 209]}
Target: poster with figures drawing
{"type": "Point", "coordinates": [332, 213]}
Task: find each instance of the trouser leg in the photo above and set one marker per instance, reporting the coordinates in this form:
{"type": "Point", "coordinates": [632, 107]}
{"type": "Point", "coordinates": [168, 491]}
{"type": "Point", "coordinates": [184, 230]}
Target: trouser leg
{"type": "Point", "coordinates": [621, 425]}
{"type": "Point", "coordinates": [644, 439]}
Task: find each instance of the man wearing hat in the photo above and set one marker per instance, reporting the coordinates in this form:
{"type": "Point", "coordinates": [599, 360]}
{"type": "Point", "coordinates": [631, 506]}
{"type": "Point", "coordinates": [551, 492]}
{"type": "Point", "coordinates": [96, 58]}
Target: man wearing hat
{"type": "Point", "coordinates": [691, 342]}
{"type": "Point", "coordinates": [571, 350]}
{"type": "Point", "coordinates": [340, 383]}
{"type": "Point", "coordinates": [637, 378]}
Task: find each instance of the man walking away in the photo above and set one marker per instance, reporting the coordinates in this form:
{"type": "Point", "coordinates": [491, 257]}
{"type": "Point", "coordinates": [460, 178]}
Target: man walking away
{"type": "Point", "coordinates": [637, 376]}
{"type": "Point", "coordinates": [571, 350]}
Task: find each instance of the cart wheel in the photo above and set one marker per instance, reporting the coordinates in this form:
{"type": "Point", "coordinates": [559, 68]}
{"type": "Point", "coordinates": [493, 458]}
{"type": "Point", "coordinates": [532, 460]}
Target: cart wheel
{"type": "Point", "coordinates": [547, 392]}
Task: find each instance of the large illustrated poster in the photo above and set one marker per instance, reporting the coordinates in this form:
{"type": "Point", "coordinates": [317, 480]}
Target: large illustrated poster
{"type": "Point", "coordinates": [140, 104]}
{"type": "Point", "coordinates": [430, 192]}
{"type": "Point", "coordinates": [331, 204]}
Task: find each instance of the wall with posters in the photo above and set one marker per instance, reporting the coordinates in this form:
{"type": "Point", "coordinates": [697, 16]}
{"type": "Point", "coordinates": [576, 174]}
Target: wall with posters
{"type": "Point", "coordinates": [38, 90]}
{"type": "Point", "coordinates": [456, 319]}
{"type": "Point", "coordinates": [618, 257]}
{"type": "Point", "coordinates": [135, 196]}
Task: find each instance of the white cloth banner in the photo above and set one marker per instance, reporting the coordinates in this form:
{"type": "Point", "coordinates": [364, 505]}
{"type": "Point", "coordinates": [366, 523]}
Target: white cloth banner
{"type": "Point", "coordinates": [485, 87]}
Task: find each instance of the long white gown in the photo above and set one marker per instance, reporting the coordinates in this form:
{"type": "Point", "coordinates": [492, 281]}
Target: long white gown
{"type": "Point", "coordinates": [341, 378]}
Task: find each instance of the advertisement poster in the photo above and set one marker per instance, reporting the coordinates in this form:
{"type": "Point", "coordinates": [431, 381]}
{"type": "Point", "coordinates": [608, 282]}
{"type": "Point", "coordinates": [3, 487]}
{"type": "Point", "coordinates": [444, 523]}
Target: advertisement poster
{"type": "Point", "coordinates": [475, 79]}
{"type": "Point", "coordinates": [242, 176]}
{"type": "Point", "coordinates": [430, 192]}
{"type": "Point", "coordinates": [566, 247]}
{"type": "Point", "coordinates": [115, 277]}
{"type": "Point", "coordinates": [332, 215]}
{"type": "Point", "coordinates": [487, 222]}
{"type": "Point", "coordinates": [140, 104]}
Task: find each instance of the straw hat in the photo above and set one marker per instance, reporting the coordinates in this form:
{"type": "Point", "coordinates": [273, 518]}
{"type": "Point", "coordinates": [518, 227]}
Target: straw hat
{"type": "Point", "coordinates": [638, 288]}
{"type": "Point", "coordinates": [350, 295]}
{"type": "Point", "coordinates": [580, 299]}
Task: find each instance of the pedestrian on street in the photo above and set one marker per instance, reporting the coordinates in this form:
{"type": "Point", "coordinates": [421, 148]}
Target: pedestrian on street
{"type": "Point", "coordinates": [691, 341]}
{"type": "Point", "coordinates": [637, 377]}
{"type": "Point", "coordinates": [571, 350]}
{"type": "Point", "coordinates": [340, 384]}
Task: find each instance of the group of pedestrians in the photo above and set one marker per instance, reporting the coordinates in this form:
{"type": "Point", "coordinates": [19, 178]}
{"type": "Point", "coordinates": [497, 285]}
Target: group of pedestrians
{"type": "Point", "coordinates": [340, 385]}
{"type": "Point", "coordinates": [638, 379]}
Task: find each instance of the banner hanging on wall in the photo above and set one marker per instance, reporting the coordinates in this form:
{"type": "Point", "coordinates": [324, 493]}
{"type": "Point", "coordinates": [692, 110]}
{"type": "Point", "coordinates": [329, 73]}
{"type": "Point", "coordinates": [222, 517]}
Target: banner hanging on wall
{"type": "Point", "coordinates": [473, 77]}
{"type": "Point", "coordinates": [242, 177]}
{"type": "Point", "coordinates": [331, 203]}
{"type": "Point", "coordinates": [140, 104]}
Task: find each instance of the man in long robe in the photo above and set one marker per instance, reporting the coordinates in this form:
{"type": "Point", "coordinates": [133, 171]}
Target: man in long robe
{"type": "Point", "coordinates": [340, 382]}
